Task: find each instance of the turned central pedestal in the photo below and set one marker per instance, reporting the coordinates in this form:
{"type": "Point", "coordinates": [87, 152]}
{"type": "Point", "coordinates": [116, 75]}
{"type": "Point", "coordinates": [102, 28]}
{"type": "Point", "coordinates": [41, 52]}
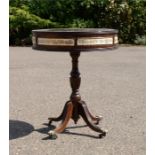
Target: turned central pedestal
{"type": "Point", "coordinates": [75, 107]}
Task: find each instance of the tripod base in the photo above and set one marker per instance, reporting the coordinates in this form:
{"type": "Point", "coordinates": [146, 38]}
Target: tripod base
{"type": "Point", "coordinates": [74, 110]}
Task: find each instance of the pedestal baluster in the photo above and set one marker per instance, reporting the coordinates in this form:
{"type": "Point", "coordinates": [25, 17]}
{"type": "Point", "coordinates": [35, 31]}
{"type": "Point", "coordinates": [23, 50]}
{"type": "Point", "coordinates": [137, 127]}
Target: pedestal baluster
{"type": "Point", "coordinates": [75, 107]}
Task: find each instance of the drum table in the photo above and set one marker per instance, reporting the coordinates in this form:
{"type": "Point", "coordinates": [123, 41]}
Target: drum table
{"type": "Point", "coordinates": [75, 40]}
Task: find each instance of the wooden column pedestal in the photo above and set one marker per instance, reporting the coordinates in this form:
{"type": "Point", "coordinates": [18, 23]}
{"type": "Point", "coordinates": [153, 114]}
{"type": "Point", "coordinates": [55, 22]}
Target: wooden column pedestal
{"type": "Point", "coordinates": [75, 107]}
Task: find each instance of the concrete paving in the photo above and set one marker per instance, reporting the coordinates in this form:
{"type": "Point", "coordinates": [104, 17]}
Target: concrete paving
{"type": "Point", "coordinates": [113, 85]}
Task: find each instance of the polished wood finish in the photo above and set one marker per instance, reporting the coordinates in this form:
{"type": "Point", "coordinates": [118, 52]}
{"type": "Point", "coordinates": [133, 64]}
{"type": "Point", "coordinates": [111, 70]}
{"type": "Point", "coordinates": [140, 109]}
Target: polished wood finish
{"type": "Point", "coordinates": [75, 41]}
{"type": "Point", "coordinates": [75, 35]}
{"type": "Point", "coordinates": [76, 107]}
{"type": "Point", "coordinates": [65, 119]}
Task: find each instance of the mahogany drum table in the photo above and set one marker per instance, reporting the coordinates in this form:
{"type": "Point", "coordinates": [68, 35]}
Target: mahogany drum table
{"type": "Point", "coordinates": [75, 41]}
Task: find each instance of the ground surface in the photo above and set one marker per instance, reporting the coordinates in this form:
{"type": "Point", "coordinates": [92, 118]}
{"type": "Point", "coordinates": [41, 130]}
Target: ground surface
{"type": "Point", "coordinates": [113, 85]}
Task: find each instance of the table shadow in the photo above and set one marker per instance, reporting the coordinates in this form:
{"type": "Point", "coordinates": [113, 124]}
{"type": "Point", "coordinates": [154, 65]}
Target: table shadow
{"type": "Point", "coordinates": [78, 134]}
{"type": "Point", "coordinates": [19, 129]}
{"type": "Point", "coordinates": [77, 126]}
{"type": "Point", "coordinates": [45, 130]}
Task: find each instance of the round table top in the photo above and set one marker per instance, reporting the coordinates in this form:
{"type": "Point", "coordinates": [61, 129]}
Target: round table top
{"type": "Point", "coordinates": [74, 39]}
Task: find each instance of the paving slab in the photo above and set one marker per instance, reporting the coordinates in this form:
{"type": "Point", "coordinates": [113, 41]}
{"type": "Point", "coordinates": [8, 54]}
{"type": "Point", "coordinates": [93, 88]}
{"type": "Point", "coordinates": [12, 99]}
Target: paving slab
{"type": "Point", "coordinates": [113, 85]}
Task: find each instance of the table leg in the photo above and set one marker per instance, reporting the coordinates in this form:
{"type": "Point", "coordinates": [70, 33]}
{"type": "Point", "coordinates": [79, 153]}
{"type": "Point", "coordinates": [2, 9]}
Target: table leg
{"type": "Point", "coordinates": [83, 111]}
{"type": "Point", "coordinates": [95, 119]}
{"type": "Point", "coordinates": [60, 117]}
{"type": "Point", "coordinates": [64, 122]}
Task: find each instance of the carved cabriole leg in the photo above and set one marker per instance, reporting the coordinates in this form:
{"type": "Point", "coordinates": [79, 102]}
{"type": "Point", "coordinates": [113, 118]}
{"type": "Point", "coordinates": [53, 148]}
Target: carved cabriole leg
{"type": "Point", "coordinates": [83, 112]}
{"type": "Point", "coordinates": [64, 122]}
{"type": "Point", "coordinates": [63, 125]}
{"type": "Point", "coordinates": [60, 117]}
{"type": "Point", "coordinates": [95, 119]}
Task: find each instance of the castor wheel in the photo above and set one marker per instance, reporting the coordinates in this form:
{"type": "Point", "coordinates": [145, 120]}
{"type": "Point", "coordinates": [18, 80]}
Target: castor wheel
{"type": "Point", "coordinates": [98, 119]}
{"type": "Point", "coordinates": [103, 134]}
{"type": "Point", "coordinates": [52, 134]}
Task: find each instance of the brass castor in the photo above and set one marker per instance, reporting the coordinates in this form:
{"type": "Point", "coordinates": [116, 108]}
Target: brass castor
{"type": "Point", "coordinates": [103, 134]}
{"type": "Point", "coordinates": [52, 134]}
{"type": "Point", "coordinates": [98, 119]}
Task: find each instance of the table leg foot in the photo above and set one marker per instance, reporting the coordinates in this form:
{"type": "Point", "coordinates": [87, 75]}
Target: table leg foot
{"type": "Point", "coordinates": [102, 135]}
{"type": "Point", "coordinates": [62, 126]}
{"type": "Point", "coordinates": [52, 134]}
{"type": "Point", "coordinates": [60, 117]}
{"type": "Point", "coordinates": [95, 119]}
{"type": "Point", "coordinates": [85, 115]}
